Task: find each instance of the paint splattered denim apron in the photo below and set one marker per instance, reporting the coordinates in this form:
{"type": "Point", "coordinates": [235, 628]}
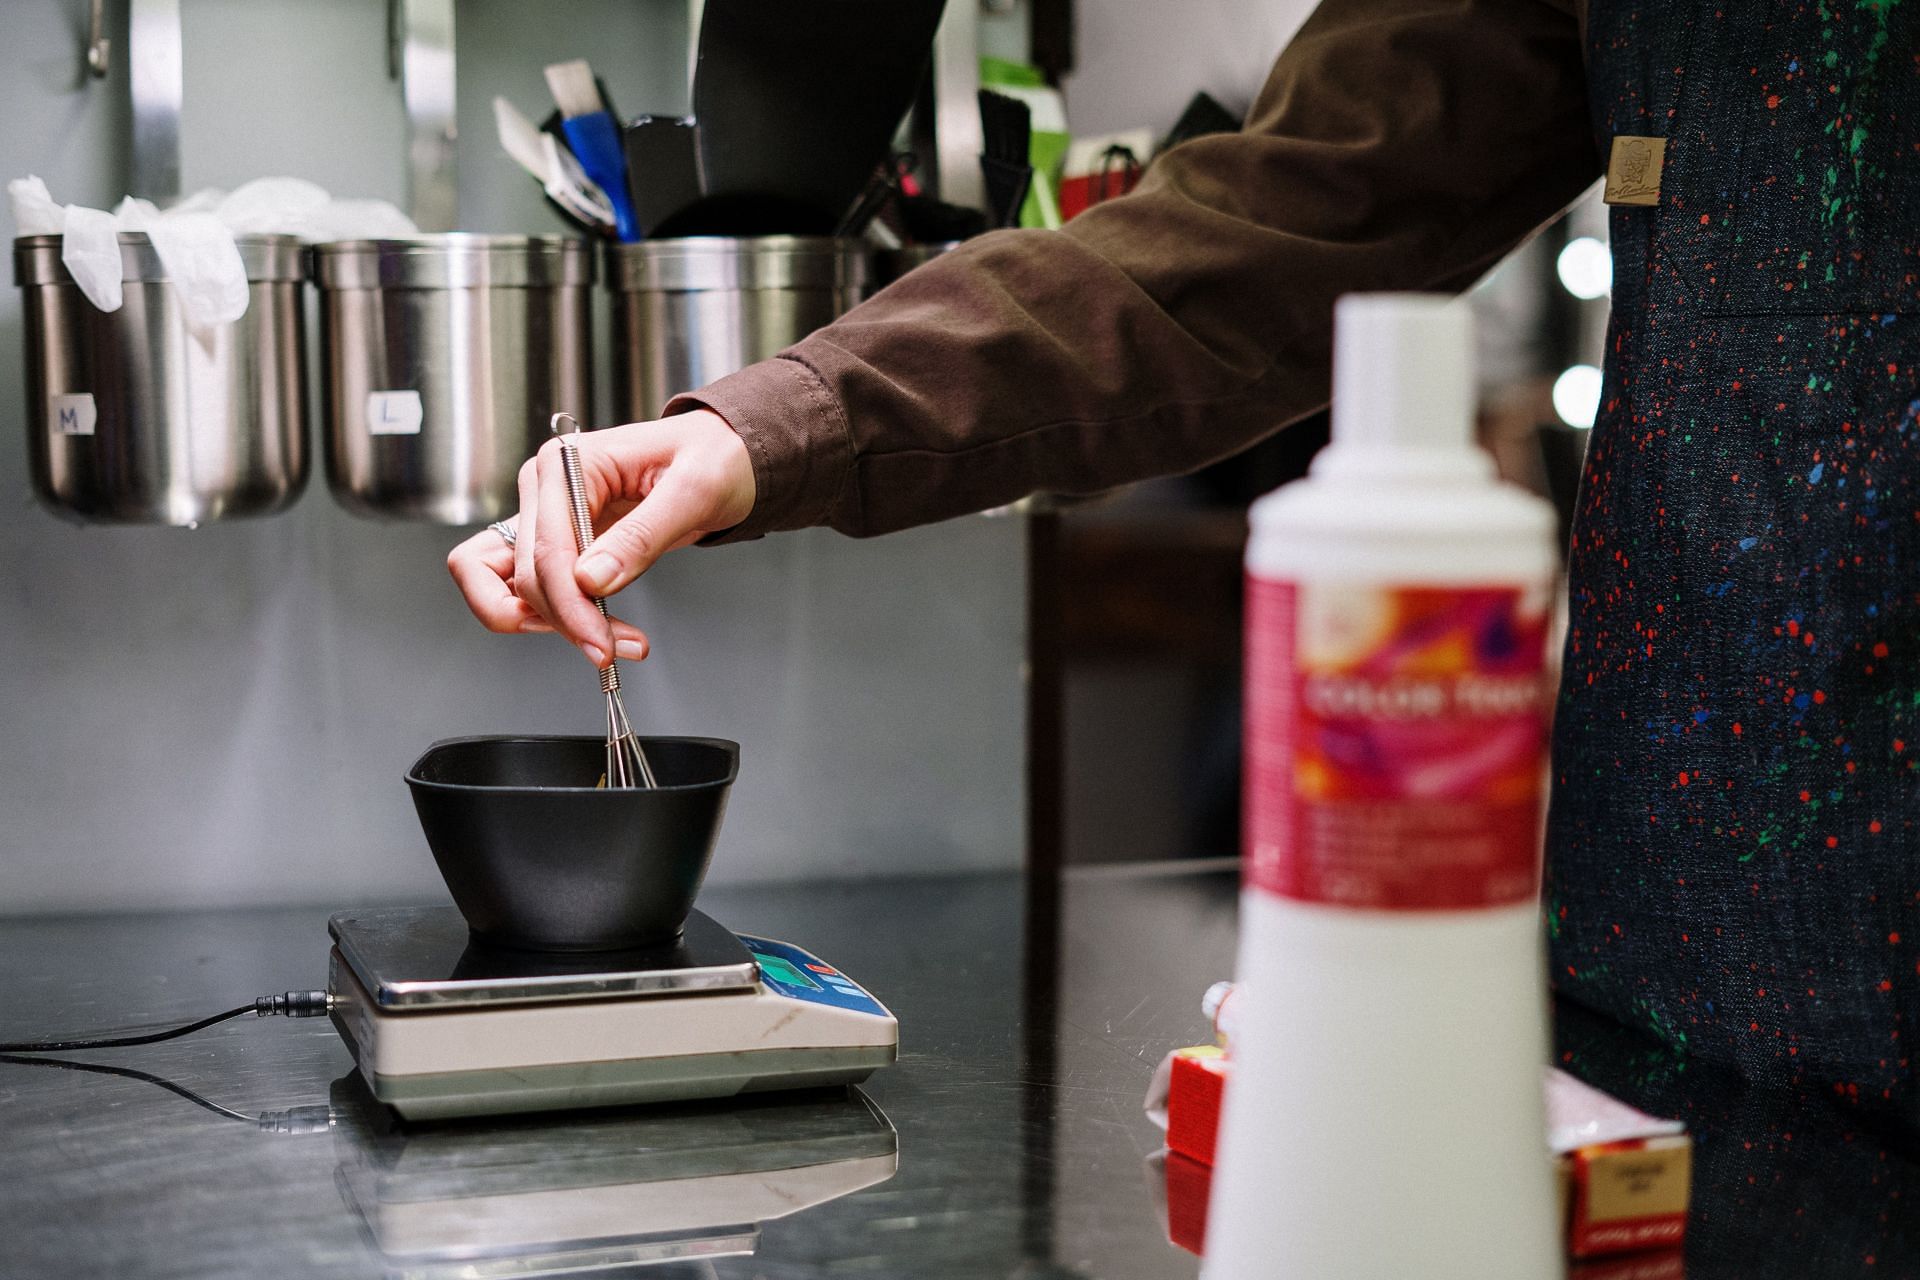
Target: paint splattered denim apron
{"type": "Point", "coordinates": [1734, 843]}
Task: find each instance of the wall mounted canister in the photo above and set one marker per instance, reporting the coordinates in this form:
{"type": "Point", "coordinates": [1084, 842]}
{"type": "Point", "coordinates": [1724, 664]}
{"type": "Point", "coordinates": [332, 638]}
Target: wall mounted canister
{"type": "Point", "coordinates": [688, 311]}
{"type": "Point", "coordinates": [445, 356]}
{"type": "Point", "coordinates": [132, 418]}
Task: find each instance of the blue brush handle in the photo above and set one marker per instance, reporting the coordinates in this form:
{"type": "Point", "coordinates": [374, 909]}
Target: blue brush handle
{"type": "Point", "coordinates": [596, 144]}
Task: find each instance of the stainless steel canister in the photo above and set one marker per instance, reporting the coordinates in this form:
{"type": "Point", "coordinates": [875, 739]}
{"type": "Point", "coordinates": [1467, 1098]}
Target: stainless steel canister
{"type": "Point", "coordinates": [445, 356]}
{"type": "Point", "coordinates": [130, 417]}
{"type": "Point", "coordinates": [688, 311]}
{"type": "Point", "coordinates": [891, 264]}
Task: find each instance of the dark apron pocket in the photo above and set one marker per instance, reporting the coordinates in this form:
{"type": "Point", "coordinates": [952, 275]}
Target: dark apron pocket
{"type": "Point", "coordinates": [1794, 185]}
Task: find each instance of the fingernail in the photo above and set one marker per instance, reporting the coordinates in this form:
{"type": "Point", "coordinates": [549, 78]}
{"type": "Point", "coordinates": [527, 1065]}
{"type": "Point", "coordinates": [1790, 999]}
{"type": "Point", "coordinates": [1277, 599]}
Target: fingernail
{"type": "Point", "coordinates": [597, 571]}
{"type": "Point", "coordinates": [631, 650]}
{"type": "Point", "coordinates": [595, 654]}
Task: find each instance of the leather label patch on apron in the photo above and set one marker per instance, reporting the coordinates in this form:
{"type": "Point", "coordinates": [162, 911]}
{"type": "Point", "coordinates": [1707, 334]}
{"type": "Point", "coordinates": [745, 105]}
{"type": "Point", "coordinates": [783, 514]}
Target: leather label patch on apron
{"type": "Point", "coordinates": [1633, 170]}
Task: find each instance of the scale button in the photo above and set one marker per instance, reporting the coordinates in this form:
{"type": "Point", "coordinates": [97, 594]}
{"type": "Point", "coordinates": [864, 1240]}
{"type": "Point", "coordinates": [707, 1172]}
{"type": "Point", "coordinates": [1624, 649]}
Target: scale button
{"type": "Point", "coordinates": [823, 968]}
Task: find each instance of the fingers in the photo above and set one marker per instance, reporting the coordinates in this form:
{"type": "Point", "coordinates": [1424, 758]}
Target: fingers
{"type": "Point", "coordinates": [630, 643]}
{"type": "Point", "coordinates": [489, 574]}
{"type": "Point", "coordinates": [676, 480]}
{"type": "Point", "coordinates": [652, 487]}
{"type": "Point", "coordinates": [515, 600]}
{"type": "Point", "coordinates": [483, 568]}
{"type": "Point", "coordinates": [669, 516]}
{"type": "Point", "coordinates": [554, 554]}
{"type": "Point", "coordinates": [526, 582]}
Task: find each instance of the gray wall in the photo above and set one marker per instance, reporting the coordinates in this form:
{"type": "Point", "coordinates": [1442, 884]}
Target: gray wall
{"type": "Point", "coordinates": [1139, 61]}
{"type": "Point", "coordinates": [1135, 728]}
{"type": "Point", "coordinates": [223, 715]}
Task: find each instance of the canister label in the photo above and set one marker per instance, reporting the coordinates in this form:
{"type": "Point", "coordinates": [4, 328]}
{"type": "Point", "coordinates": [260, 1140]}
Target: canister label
{"type": "Point", "coordinates": [72, 414]}
{"type": "Point", "coordinates": [1395, 742]}
{"type": "Point", "coordinates": [394, 413]}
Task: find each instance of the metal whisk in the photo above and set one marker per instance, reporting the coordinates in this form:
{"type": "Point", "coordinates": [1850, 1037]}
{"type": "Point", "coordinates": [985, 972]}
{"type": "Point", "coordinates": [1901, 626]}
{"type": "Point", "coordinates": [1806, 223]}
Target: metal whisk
{"type": "Point", "coordinates": [626, 763]}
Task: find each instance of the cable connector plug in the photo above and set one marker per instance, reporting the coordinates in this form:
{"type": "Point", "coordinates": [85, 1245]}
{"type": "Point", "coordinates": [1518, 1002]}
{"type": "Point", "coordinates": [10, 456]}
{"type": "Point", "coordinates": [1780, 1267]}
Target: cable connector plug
{"type": "Point", "coordinates": [317, 1118]}
{"type": "Point", "coordinates": [294, 1004]}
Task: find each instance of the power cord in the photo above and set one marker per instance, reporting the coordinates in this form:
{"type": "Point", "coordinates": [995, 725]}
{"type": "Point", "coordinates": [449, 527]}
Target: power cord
{"type": "Point", "coordinates": [288, 1004]}
{"type": "Point", "coordinates": [316, 1118]}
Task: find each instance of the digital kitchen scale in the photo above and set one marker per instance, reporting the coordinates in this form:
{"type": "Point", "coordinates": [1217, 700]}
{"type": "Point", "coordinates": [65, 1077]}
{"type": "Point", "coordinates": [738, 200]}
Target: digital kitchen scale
{"type": "Point", "coordinates": [443, 1026]}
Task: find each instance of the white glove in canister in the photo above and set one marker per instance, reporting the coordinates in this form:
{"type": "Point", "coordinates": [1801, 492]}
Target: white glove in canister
{"type": "Point", "coordinates": [195, 238]}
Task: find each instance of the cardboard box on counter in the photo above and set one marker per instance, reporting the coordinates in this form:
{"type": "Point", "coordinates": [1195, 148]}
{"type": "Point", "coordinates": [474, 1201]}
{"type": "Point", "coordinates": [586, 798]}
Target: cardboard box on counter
{"type": "Point", "coordinates": [1624, 1176]}
{"type": "Point", "coordinates": [1198, 1080]}
{"type": "Point", "coordinates": [1627, 1196]}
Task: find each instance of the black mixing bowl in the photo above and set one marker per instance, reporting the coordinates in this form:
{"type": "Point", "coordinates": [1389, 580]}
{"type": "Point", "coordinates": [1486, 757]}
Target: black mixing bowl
{"type": "Point", "coordinates": [538, 857]}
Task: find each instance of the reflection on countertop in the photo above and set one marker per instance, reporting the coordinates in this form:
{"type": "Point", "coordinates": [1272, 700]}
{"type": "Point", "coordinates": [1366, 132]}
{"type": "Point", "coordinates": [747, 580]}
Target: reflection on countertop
{"type": "Point", "coordinates": [1008, 1139]}
{"type": "Point", "coordinates": [576, 1194]}
{"type": "Point", "coordinates": [557, 1195]}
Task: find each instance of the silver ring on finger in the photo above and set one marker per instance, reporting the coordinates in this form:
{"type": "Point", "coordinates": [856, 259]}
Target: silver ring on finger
{"type": "Point", "coordinates": [505, 531]}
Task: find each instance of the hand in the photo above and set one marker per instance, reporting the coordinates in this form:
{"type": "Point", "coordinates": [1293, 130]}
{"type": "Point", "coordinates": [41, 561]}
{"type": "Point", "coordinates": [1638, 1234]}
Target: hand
{"type": "Point", "coordinates": [652, 487]}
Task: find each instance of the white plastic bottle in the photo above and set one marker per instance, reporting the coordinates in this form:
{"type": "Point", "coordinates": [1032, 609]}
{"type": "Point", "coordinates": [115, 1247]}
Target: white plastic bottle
{"type": "Point", "coordinates": [1385, 1118]}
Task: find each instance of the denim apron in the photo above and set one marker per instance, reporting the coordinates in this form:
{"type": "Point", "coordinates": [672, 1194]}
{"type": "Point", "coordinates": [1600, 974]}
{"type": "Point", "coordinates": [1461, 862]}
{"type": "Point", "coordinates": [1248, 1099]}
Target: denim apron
{"type": "Point", "coordinates": [1734, 840]}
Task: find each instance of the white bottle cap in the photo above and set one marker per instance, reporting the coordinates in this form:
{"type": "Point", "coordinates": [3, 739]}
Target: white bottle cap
{"type": "Point", "coordinates": [1402, 372]}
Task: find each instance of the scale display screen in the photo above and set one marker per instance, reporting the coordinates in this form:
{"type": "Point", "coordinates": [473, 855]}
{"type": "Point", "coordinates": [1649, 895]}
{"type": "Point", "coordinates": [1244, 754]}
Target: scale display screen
{"type": "Point", "coordinates": [784, 971]}
{"type": "Point", "coordinates": [800, 975]}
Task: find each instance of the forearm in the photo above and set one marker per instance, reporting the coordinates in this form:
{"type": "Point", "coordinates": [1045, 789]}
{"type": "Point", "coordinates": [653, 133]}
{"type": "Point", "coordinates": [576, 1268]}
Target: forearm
{"type": "Point", "coordinates": [1398, 145]}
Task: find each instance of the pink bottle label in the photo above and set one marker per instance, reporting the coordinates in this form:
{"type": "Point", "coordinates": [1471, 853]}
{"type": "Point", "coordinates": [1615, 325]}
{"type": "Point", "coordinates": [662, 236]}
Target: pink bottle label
{"type": "Point", "coordinates": [1395, 744]}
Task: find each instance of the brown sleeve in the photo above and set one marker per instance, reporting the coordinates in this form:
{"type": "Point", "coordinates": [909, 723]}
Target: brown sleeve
{"type": "Point", "coordinates": [1398, 144]}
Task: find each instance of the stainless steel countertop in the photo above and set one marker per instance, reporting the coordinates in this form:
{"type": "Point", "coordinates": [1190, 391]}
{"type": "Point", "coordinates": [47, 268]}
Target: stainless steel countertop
{"type": "Point", "coordinates": [1016, 1101]}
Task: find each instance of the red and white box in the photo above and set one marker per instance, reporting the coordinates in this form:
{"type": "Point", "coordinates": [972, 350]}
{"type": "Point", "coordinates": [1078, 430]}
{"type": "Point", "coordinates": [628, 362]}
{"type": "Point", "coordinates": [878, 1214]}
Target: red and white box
{"type": "Point", "coordinates": [1196, 1080]}
{"type": "Point", "coordinates": [1625, 1176]}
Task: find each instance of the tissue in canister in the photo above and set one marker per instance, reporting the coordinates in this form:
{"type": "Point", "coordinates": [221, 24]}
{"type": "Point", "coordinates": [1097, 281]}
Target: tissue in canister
{"type": "Point", "coordinates": [296, 207]}
{"type": "Point", "coordinates": [88, 246]}
{"type": "Point", "coordinates": [135, 214]}
{"type": "Point", "coordinates": [195, 247]}
{"type": "Point", "coordinates": [34, 211]}
{"type": "Point", "coordinates": [90, 249]}
{"type": "Point", "coordinates": [345, 219]}
{"type": "Point", "coordinates": [203, 264]}
{"type": "Point", "coordinates": [270, 206]}
{"type": "Point", "coordinates": [195, 238]}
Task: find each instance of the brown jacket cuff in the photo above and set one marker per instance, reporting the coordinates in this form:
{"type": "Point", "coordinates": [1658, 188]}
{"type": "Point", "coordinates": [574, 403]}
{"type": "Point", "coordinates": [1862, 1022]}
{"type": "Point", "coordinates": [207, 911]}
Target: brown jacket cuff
{"type": "Point", "coordinates": [796, 435]}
